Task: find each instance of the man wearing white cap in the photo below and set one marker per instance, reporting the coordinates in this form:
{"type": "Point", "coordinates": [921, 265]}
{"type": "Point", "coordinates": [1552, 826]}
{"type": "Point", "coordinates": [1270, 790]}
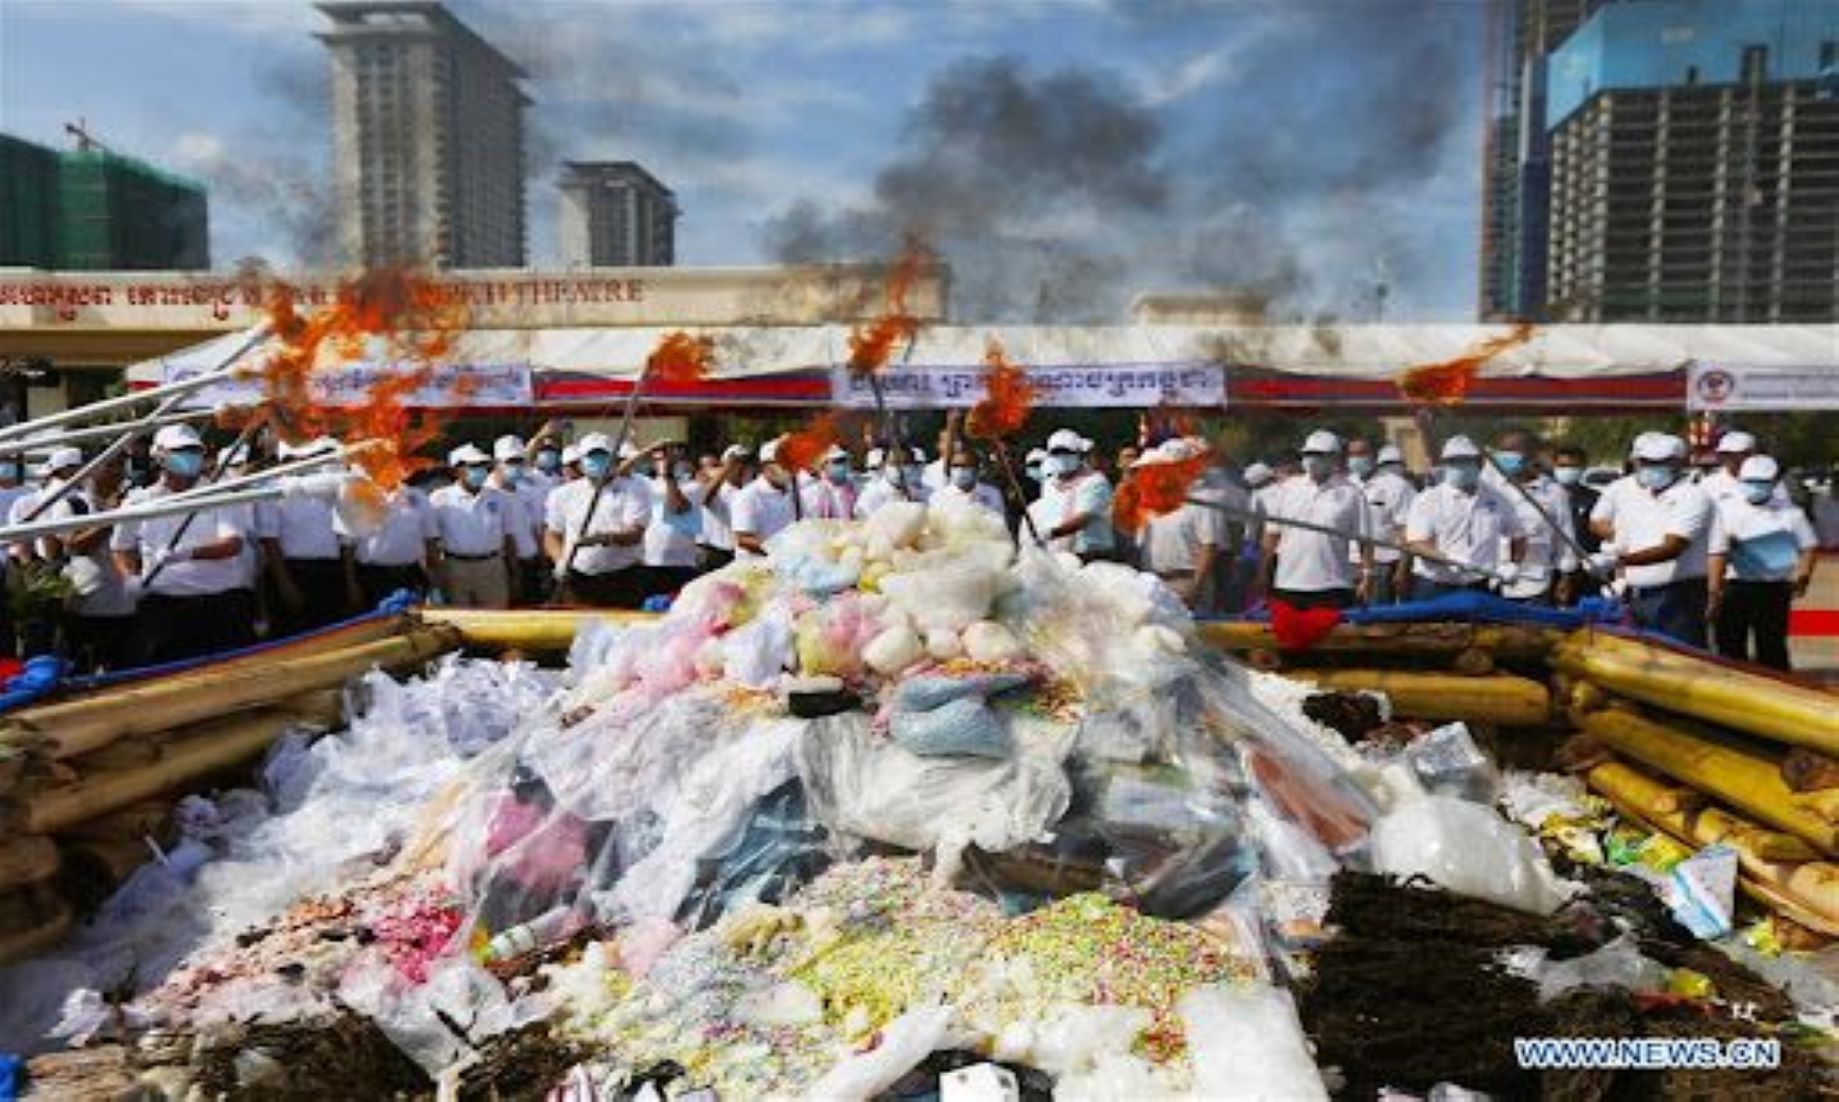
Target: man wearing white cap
{"type": "Point", "coordinates": [303, 555]}
{"type": "Point", "coordinates": [1075, 505]}
{"type": "Point", "coordinates": [833, 495]}
{"type": "Point", "coordinates": [196, 596]}
{"type": "Point", "coordinates": [1725, 483]}
{"type": "Point", "coordinates": [1466, 521]}
{"type": "Point", "coordinates": [963, 484]}
{"type": "Point", "coordinates": [596, 530]}
{"type": "Point", "coordinates": [1035, 468]}
{"type": "Point", "coordinates": [720, 486]}
{"type": "Point", "coordinates": [1761, 558]}
{"type": "Point", "coordinates": [398, 554]}
{"type": "Point", "coordinates": [99, 629]}
{"type": "Point", "coordinates": [1308, 569]}
{"type": "Point", "coordinates": [529, 488]}
{"type": "Point", "coordinates": [1656, 526]}
{"type": "Point", "coordinates": [763, 508]}
{"type": "Point", "coordinates": [671, 553]}
{"type": "Point", "coordinates": [891, 479]}
{"type": "Point", "coordinates": [1544, 511]}
{"type": "Point", "coordinates": [477, 526]}
{"type": "Point", "coordinates": [1389, 494]}
{"type": "Point", "coordinates": [1182, 547]}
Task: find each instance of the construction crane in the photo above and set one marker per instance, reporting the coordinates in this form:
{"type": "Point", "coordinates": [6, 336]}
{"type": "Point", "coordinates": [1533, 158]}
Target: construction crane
{"type": "Point", "coordinates": [86, 141]}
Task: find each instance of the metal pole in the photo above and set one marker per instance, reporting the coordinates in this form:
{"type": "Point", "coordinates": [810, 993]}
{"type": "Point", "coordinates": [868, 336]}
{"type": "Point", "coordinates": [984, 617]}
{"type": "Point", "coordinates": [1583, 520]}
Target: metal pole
{"type": "Point", "coordinates": [102, 432]}
{"type": "Point", "coordinates": [153, 510]}
{"type": "Point", "coordinates": [1327, 530]}
{"type": "Point", "coordinates": [1569, 540]}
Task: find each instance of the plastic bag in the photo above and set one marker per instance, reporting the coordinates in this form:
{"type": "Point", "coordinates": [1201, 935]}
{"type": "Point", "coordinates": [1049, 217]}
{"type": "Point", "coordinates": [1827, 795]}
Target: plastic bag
{"type": "Point", "coordinates": [966, 726]}
{"type": "Point", "coordinates": [1616, 964]}
{"type": "Point", "coordinates": [905, 1041]}
{"type": "Point", "coordinates": [1248, 1044]}
{"type": "Point", "coordinates": [1701, 891]}
{"type": "Point", "coordinates": [1467, 849]}
{"type": "Point", "coordinates": [1448, 763]}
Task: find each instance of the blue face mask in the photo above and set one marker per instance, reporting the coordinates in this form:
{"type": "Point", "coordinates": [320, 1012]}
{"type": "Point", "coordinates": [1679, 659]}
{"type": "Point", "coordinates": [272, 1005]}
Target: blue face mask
{"type": "Point", "coordinates": [1033, 471]}
{"type": "Point", "coordinates": [1463, 476]}
{"type": "Point", "coordinates": [837, 471]}
{"type": "Point", "coordinates": [513, 473]}
{"type": "Point", "coordinates": [1510, 463]}
{"type": "Point", "coordinates": [548, 461]}
{"type": "Point", "coordinates": [475, 476]}
{"type": "Point", "coordinates": [1656, 477]}
{"type": "Point", "coordinates": [963, 477]}
{"type": "Point", "coordinates": [185, 464]}
{"type": "Point", "coordinates": [9, 472]}
{"type": "Point", "coordinates": [1360, 465]}
{"type": "Point", "coordinates": [1568, 476]}
{"type": "Point", "coordinates": [596, 465]}
{"type": "Point", "coordinates": [1758, 493]}
{"type": "Point", "coordinates": [1318, 467]}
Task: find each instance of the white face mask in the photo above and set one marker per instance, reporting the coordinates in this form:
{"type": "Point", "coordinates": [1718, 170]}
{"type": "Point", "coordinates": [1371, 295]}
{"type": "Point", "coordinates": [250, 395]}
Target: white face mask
{"type": "Point", "coordinates": [1318, 467]}
{"type": "Point", "coordinates": [1568, 476]}
{"type": "Point", "coordinates": [1062, 464]}
{"type": "Point", "coordinates": [963, 477]}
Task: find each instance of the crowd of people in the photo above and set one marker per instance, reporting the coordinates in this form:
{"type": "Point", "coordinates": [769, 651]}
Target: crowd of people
{"type": "Point", "coordinates": [1715, 553]}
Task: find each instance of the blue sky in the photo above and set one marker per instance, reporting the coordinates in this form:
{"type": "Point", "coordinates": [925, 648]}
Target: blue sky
{"type": "Point", "coordinates": [1107, 146]}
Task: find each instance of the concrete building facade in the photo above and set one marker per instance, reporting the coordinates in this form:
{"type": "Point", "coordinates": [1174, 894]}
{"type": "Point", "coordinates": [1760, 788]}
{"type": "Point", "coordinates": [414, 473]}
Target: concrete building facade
{"type": "Point", "coordinates": [428, 142]}
{"type": "Point", "coordinates": [1695, 163]}
{"type": "Point", "coordinates": [616, 215]}
{"type": "Point", "coordinates": [94, 210]}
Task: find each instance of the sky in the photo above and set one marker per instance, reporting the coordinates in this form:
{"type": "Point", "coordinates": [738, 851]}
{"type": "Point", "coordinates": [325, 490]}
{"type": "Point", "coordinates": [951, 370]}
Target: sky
{"type": "Point", "coordinates": [1062, 156]}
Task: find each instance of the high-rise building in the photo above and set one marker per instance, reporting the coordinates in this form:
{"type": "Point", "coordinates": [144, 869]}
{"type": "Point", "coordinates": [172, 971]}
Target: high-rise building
{"type": "Point", "coordinates": [92, 210]}
{"type": "Point", "coordinates": [616, 215]}
{"type": "Point", "coordinates": [428, 138]}
{"type": "Point", "coordinates": [28, 204]}
{"type": "Point", "coordinates": [1695, 163]}
{"type": "Point", "coordinates": [1517, 167]}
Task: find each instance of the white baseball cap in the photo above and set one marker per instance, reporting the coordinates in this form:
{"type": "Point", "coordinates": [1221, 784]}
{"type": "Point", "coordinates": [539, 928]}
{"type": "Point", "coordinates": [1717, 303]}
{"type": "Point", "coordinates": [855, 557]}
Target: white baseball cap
{"type": "Point", "coordinates": [1035, 455]}
{"type": "Point", "coordinates": [1389, 454]}
{"type": "Point", "coordinates": [174, 438]}
{"type": "Point", "coordinates": [769, 451]}
{"type": "Point", "coordinates": [836, 452]}
{"type": "Point", "coordinates": [62, 459]}
{"type": "Point", "coordinates": [594, 442]}
{"type": "Point", "coordinates": [1258, 474]}
{"type": "Point", "coordinates": [736, 451]}
{"type": "Point", "coordinates": [1460, 447]}
{"type": "Point", "coordinates": [1322, 442]}
{"type": "Point", "coordinates": [508, 447]}
{"type": "Point", "coordinates": [1643, 440]}
{"type": "Point", "coordinates": [1759, 468]}
{"type": "Point", "coordinates": [465, 455]}
{"type": "Point", "coordinates": [1066, 440]}
{"type": "Point", "coordinates": [1733, 442]}
{"type": "Point", "coordinates": [1658, 447]}
{"type": "Point", "coordinates": [570, 454]}
{"type": "Point", "coordinates": [876, 457]}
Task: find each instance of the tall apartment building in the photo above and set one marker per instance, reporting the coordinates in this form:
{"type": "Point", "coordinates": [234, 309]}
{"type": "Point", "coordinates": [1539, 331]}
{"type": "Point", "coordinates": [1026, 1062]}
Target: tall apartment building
{"type": "Point", "coordinates": [93, 210]}
{"type": "Point", "coordinates": [428, 138]}
{"type": "Point", "coordinates": [616, 215]}
{"type": "Point", "coordinates": [1695, 163]}
{"type": "Point", "coordinates": [28, 204]}
{"type": "Point", "coordinates": [1517, 165]}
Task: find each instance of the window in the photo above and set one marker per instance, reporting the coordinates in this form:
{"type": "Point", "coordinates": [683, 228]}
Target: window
{"type": "Point", "coordinates": [1829, 54]}
{"type": "Point", "coordinates": [1692, 75]}
{"type": "Point", "coordinates": [1755, 63]}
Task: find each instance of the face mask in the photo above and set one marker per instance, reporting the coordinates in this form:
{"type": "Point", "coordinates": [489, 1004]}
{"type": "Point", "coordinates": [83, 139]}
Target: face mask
{"type": "Point", "coordinates": [184, 464]}
{"type": "Point", "coordinates": [548, 461]}
{"type": "Point", "coordinates": [837, 472]}
{"type": "Point", "coordinates": [1758, 493]}
{"type": "Point", "coordinates": [1318, 467]}
{"type": "Point", "coordinates": [596, 465]}
{"type": "Point", "coordinates": [892, 475]}
{"type": "Point", "coordinates": [1063, 464]}
{"type": "Point", "coordinates": [1568, 476]}
{"type": "Point", "coordinates": [963, 477]}
{"type": "Point", "coordinates": [475, 477]}
{"type": "Point", "coordinates": [1033, 471]}
{"type": "Point", "coordinates": [1510, 463]}
{"type": "Point", "coordinates": [512, 474]}
{"type": "Point", "coordinates": [1463, 476]}
{"type": "Point", "coordinates": [9, 472]}
{"type": "Point", "coordinates": [684, 472]}
{"type": "Point", "coordinates": [1360, 465]}
{"type": "Point", "coordinates": [1655, 477]}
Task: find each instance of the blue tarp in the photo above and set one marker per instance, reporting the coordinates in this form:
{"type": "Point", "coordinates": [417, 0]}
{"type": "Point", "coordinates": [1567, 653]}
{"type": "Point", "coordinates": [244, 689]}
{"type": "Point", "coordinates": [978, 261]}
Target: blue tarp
{"type": "Point", "coordinates": [1479, 608]}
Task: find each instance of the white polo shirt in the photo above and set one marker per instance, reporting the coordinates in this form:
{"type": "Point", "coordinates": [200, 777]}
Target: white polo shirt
{"type": "Point", "coordinates": [983, 494]}
{"type": "Point", "coordinates": [826, 500]}
{"type": "Point", "coordinates": [303, 526]}
{"type": "Point", "coordinates": [473, 526]}
{"type": "Point", "coordinates": [1473, 528]}
{"type": "Point", "coordinates": [625, 506]}
{"type": "Point", "coordinates": [670, 538]}
{"type": "Point", "coordinates": [1388, 497]}
{"type": "Point", "coordinates": [879, 491]}
{"type": "Point", "coordinates": [762, 510]}
{"type": "Point", "coordinates": [1762, 543]}
{"type": "Point", "coordinates": [187, 577]}
{"type": "Point", "coordinates": [1174, 543]}
{"type": "Point", "coordinates": [402, 538]}
{"type": "Point", "coordinates": [1214, 486]}
{"type": "Point", "coordinates": [1644, 519]}
{"type": "Point", "coordinates": [717, 516]}
{"type": "Point", "coordinates": [1548, 553]}
{"type": "Point", "coordinates": [1087, 493]}
{"type": "Point", "coordinates": [1311, 562]}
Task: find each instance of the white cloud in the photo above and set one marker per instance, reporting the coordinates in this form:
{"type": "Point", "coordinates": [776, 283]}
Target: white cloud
{"type": "Point", "coordinates": [195, 148]}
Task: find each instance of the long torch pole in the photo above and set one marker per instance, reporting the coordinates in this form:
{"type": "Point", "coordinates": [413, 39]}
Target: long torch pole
{"type": "Point", "coordinates": [1328, 530]}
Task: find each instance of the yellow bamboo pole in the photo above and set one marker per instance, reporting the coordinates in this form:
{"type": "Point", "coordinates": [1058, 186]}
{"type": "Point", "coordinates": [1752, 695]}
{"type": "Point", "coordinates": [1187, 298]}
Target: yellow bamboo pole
{"type": "Point", "coordinates": [1765, 706]}
{"type": "Point", "coordinates": [1493, 698]}
{"type": "Point", "coordinates": [1438, 638]}
{"type": "Point", "coordinates": [204, 750]}
{"type": "Point", "coordinates": [169, 703]}
{"type": "Point", "coordinates": [544, 630]}
{"type": "Point", "coordinates": [26, 859]}
{"type": "Point", "coordinates": [1704, 824]}
{"type": "Point", "coordinates": [1743, 777]}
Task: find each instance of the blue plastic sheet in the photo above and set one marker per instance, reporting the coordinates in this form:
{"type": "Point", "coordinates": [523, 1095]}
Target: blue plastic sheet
{"type": "Point", "coordinates": [1482, 608]}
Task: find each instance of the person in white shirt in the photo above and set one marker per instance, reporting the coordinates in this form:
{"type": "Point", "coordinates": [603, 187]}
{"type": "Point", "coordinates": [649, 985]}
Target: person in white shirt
{"type": "Point", "coordinates": [890, 479]}
{"type": "Point", "coordinates": [1725, 484]}
{"type": "Point", "coordinates": [1075, 505]}
{"type": "Point", "coordinates": [764, 507]}
{"type": "Point", "coordinates": [302, 555]}
{"type": "Point", "coordinates": [397, 555]}
{"type": "Point", "coordinates": [596, 530]}
{"type": "Point", "coordinates": [963, 484]}
{"type": "Point", "coordinates": [1462, 520]}
{"type": "Point", "coordinates": [195, 594]}
{"type": "Point", "coordinates": [1761, 558]}
{"type": "Point", "coordinates": [1656, 528]}
{"type": "Point", "coordinates": [833, 495]}
{"type": "Point", "coordinates": [98, 623]}
{"type": "Point", "coordinates": [1389, 494]}
{"type": "Point", "coordinates": [1308, 569]}
{"type": "Point", "coordinates": [1222, 587]}
{"type": "Point", "coordinates": [1548, 567]}
{"type": "Point", "coordinates": [719, 489]}
{"type": "Point", "coordinates": [477, 526]}
{"type": "Point", "coordinates": [529, 490]}
{"type": "Point", "coordinates": [1182, 547]}
{"type": "Point", "coordinates": [671, 554]}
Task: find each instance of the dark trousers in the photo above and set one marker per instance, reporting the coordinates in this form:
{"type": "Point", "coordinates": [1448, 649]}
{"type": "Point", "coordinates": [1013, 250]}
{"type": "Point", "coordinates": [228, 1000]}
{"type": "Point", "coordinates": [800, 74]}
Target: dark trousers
{"type": "Point", "coordinates": [714, 558]}
{"type": "Point", "coordinates": [378, 582]}
{"type": "Point", "coordinates": [1315, 598]}
{"type": "Point", "coordinates": [323, 597]}
{"type": "Point", "coordinates": [100, 642]}
{"type": "Point", "coordinates": [174, 628]}
{"type": "Point", "coordinates": [1676, 610]}
{"type": "Point", "coordinates": [1756, 610]}
{"type": "Point", "coordinates": [667, 580]}
{"type": "Point", "coordinates": [617, 589]}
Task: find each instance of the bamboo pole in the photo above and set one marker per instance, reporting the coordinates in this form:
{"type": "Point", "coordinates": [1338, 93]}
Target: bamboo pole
{"type": "Point", "coordinates": [1439, 638]}
{"type": "Point", "coordinates": [1675, 810]}
{"type": "Point", "coordinates": [1720, 693]}
{"type": "Point", "coordinates": [1788, 907]}
{"type": "Point", "coordinates": [534, 630]}
{"type": "Point", "coordinates": [207, 749]}
{"type": "Point", "coordinates": [169, 703]}
{"type": "Point", "coordinates": [1493, 698]}
{"type": "Point", "coordinates": [145, 819]}
{"type": "Point", "coordinates": [26, 859]}
{"type": "Point", "coordinates": [1741, 777]}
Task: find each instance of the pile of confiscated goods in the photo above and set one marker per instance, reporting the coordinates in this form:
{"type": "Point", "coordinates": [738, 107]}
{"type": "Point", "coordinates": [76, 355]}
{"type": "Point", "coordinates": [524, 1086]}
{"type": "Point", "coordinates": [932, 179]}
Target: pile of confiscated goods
{"type": "Point", "coordinates": [895, 812]}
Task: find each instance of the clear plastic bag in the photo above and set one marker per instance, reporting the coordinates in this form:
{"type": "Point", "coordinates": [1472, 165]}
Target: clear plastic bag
{"type": "Point", "coordinates": [1448, 763]}
{"type": "Point", "coordinates": [1467, 849]}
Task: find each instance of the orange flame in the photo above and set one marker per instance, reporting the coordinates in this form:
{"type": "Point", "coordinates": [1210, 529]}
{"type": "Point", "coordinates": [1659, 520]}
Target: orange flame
{"type": "Point", "coordinates": [1154, 490]}
{"type": "Point", "coordinates": [1447, 383]}
{"type": "Point", "coordinates": [1007, 399]}
{"type": "Point", "coordinates": [870, 349]}
{"type": "Point", "coordinates": [681, 358]}
{"type": "Point", "coordinates": [799, 450]}
{"type": "Point", "coordinates": [413, 321]}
